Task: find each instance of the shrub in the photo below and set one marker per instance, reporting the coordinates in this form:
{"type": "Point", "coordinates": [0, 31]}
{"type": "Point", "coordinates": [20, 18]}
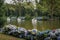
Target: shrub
{"type": "Point", "coordinates": [2, 21]}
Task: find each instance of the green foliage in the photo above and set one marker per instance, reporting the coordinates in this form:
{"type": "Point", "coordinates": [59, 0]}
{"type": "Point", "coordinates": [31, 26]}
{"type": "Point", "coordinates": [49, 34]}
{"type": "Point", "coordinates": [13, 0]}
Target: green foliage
{"type": "Point", "coordinates": [2, 21]}
{"type": "Point", "coordinates": [2, 17]}
{"type": "Point", "coordinates": [44, 7]}
{"type": "Point", "coordinates": [1, 3]}
{"type": "Point", "coordinates": [27, 17]}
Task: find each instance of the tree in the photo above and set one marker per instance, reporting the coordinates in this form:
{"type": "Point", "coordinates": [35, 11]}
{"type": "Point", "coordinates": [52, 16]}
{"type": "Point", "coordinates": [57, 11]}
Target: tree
{"type": "Point", "coordinates": [42, 8]}
{"type": "Point", "coordinates": [29, 9]}
{"type": "Point", "coordinates": [1, 3]}
{"type": "Point", "coordinates": [2, 19]}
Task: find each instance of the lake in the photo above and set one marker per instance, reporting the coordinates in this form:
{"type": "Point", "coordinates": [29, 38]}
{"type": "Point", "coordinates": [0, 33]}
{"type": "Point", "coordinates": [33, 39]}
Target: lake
{"type": "Point", "coordinates": [41, 24]}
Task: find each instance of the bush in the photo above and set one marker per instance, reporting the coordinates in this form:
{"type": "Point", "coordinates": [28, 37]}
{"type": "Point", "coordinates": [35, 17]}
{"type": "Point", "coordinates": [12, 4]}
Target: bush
{"type": "Point", "coordinates": [2, 21]}
{"type": "Point", "coordinates": [28, 17]}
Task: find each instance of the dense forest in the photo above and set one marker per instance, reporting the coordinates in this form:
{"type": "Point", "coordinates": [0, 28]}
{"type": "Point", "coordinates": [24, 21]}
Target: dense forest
{"type": "Point", "coordinates": [43, 8]}
{"type": "Point", "coordinates": [50, 8]}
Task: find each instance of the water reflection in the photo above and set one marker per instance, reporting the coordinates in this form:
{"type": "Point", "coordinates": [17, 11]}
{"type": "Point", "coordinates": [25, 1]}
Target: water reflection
{"type": "Point", "coordinates": [39, 22]}
{"type": "Point", "coordinates": [8, 19]}
{"type": "Point", "coordinates": [34, 23]}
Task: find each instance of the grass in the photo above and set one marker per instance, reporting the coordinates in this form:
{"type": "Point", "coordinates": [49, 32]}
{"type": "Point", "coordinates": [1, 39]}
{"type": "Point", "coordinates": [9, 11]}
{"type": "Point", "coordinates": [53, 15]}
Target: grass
{"type": "Point", "coordinates": [7, 37]}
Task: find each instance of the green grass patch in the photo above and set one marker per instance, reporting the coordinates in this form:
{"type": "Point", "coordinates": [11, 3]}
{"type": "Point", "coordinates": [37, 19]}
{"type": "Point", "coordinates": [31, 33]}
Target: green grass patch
{"type": "Point", "coordinates": [8, 37]}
